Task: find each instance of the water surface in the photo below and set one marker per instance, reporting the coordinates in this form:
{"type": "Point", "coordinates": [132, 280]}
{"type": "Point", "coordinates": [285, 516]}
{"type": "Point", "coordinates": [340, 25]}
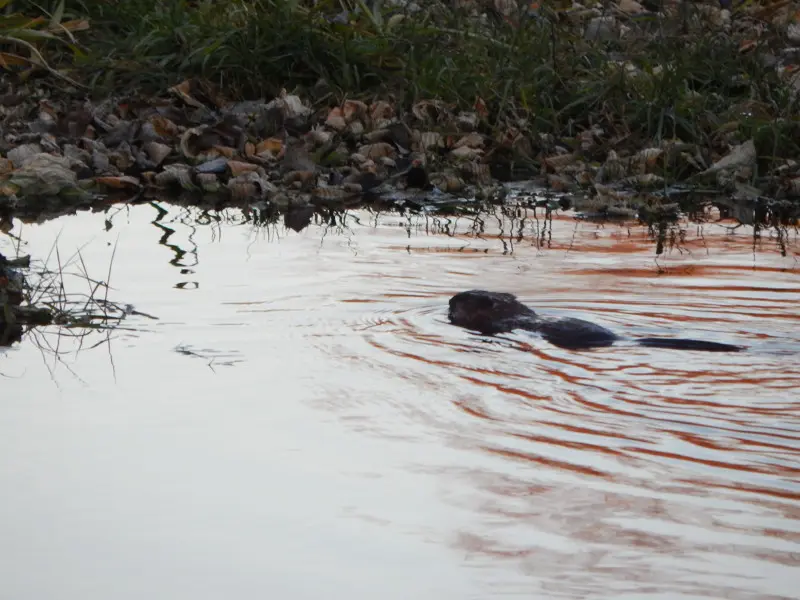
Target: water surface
{"type": "Point", "coordinates": [301, 421]}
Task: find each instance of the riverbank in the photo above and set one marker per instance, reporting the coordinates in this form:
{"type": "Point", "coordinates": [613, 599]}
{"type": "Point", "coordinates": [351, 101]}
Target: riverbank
{"type": "Point", "coordinates": [623, 108]}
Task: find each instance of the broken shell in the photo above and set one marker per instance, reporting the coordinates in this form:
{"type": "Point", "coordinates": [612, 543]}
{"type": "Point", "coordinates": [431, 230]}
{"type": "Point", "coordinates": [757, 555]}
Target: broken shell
{"type": "Point", "coordinates": [647, 158]}
{"type": "Point", "coordinates": [239, 168]}
{"type": "Point", "coordinates": [473, 140]}
{"type": "Point", "coordinates": [164, 127]}
{"type": "Point", "coordinates": [124, 181]}
{"type": "Point", "coordinates": [431, 139]}
{"type": "Point", "coordinates": [478, 172]}
{"type": "Point", "coordinates": [300, 179]}
{"type": "Point", "coordinates": [465, 153]}
{"type": "Point", "coordinates": [386, 161]}
{"type": "Point", "coordinates": [22, 153]}
{"type": "Point", "coordinates": [352, 187]}
{"type": "Point", "coordinates": [122, 157]}
{"type": "Point", "coordinates": [428, 111]}
{"type": "Point", "coordinates": [225, 151]}
{"type": "Point", "coordinates": [218, 165]}
{"type": "Point", "coordinates": [188, 143]}
{"type": "Point", "coordinates": [320, 136]}
{"type": "Point", "coordinates": [358, 158]}
{"type": "Point", "coordinates": [354, 109]}
{"type": "Point", "coordinates": [377, 135]}
{"type": "Point", "coordinates": [250, 185]}
{"type": "Point", "coordinates": [336, 120]}
{"type": "Point", "coordinates": [271, 146]}
{"type": "Point", "coordinates": [447, 182]}
{"type": "Point", "coordinates": [355, 128]}
{"type": "Point", "coordinates": [558, 162]}
{"type": "Point", "coordinates": [322, 195]}
{"type": "Point", "coordinates": [377, 151]}
{"type": "Point", "coordinates": [467, 121]}
{"type": "Point", "coordinates": [157, 152]}
{"type": "Point", "coordinates": [208, 182]}
{"type": "Point", "coordinates": [242, 191]}
{"type": "Point", "coordinates": [645, 180]}
{"type": "Point", "coordinates": [557, 183]}
{"type": "Point", "coordinates": [290, 105]}
{"type": "Point", "coordinates": [6, 166]}
{"type": "Point", "coordinates": [380, 113]}
{"type": "Point", "coordinates": [177, 174]}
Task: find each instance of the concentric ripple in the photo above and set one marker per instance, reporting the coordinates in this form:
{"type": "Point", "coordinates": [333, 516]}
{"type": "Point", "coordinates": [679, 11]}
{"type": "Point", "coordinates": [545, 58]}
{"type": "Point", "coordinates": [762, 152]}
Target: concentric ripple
{"type": "Point", "coordinates": [684, 462]}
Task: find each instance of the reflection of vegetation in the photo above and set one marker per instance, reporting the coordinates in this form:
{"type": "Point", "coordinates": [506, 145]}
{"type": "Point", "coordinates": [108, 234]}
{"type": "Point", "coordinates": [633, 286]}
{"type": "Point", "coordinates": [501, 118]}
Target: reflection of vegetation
{"type": "Point", "coordinates": [521, 219]}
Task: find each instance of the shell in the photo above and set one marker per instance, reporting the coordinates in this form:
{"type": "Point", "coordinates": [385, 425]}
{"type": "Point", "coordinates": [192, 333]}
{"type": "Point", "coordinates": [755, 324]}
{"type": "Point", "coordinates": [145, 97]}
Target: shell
{"type": "Point", "coordinates": [355, 128]}
{"type": "Point", "coordinates": [125, 181]}
{"type": "Point", "coordinates": [291, 106]}
{"type": "Point", "coordinates": [242, 191]}
{"type": "Point", "coordinates": [164, 127]}
{"type": "Point", "coordinates": [557, 183]}
{"type": "Point", "coordinates": [430, 139]}
{"type": "Point", "coordinates": [376, 135]}
{"type": "Point", "coordinates": [473, 140]}
{"type": "Point", "coordinates": [354, 109]}
{"type": "Point", "coordinates": [381, 113]}
{"type": "Point", "coordinates": [336, 120]}
{"type": "Point", "coordinates": [648, 157]}
{"type": "Point", "coordinates": [268, 147]}
{"type": "Point", "coordinates": [225, 151]}
{"type": "Point", "coordinates": [218, 165]}
{"type": "Point", "coordinates": [175, 175]}
{"type": "Point", "coordinates": [122, 157]}
{"type": "Point", "coordinates": [20, 154]}
{"type": "Point", "coordinates": [558, 162]}
{"type": "Point", "coordinates": [377, 151]}
{"type": "Point", "coordinates": [238, 167]}
{"type": "Point", "coordinates": [465, 153]}
{"type": "Point", "coordinates": [157, 152]}
{"type": "Point", "coordinates": [467, 121]}
{"type": "Point", "coordinates": [250, 185]}
{"type": "Point", "coordinates": [208, 182]}
{"type": "Point", "coordinates": [645, 180]}
{"type": "Point", "coordinates": [299, 179]}
{"type": "Point", "coordinates": [448, 182]}
{"type": "Point", "coordinates": [429, 111]}
{"type": "Point", "coordinates": [478, 172]}
{"type": "Point", "coordinates": [188, 138]}
{"type": "Point", "coordinates": [320, 136]}
{"type": "Point", "coordinates": [330, 194]}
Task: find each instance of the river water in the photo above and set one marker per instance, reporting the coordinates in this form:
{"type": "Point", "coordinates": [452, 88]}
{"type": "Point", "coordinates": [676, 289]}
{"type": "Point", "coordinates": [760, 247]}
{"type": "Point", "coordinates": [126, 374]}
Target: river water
{"type": "Point", "coordinates": [299, 421]}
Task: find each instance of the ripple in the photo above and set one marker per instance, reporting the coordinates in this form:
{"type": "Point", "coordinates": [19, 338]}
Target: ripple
{"type": "Point", "coordinates": [680, 461]}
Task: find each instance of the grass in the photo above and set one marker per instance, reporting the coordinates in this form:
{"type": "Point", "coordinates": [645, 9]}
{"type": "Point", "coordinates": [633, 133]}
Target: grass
{"type": "Point", "coordinates": [674, 78]}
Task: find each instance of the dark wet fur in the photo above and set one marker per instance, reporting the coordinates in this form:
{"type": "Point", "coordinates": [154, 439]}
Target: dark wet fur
{"type": "Point", "coordinates": [491, 313]}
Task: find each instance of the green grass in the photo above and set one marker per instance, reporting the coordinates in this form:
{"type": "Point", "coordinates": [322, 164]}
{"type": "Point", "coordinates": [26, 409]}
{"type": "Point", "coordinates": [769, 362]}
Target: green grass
{"type": "Point", "coordinates": [541, 75]}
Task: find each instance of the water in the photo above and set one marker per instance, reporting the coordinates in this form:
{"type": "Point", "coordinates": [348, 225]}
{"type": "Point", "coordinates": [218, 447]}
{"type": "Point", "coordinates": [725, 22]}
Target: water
{"type": "Point", "coordinates": [301, 421]}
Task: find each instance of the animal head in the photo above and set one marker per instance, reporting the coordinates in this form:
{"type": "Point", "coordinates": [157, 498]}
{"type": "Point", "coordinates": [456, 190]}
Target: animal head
{"type": "Point", "coordinates": [486, 312]}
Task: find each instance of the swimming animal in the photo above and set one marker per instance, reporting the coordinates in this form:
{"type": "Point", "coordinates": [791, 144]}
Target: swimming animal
{"type": "Point", "coordinates": [491, 313]}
